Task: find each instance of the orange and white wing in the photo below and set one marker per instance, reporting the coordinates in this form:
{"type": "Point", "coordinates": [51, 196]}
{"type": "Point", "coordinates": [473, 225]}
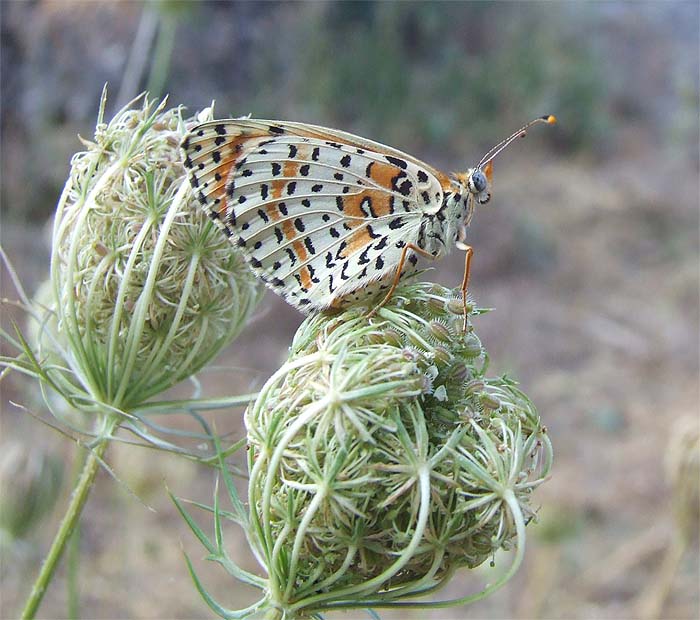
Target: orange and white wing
{"type": "Point", "coordinates": [318, 213]}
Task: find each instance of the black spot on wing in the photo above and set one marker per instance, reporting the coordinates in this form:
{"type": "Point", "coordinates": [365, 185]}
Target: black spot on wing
{"type": "Point", "coordinates": [364, 258]}
{"type": "Point", "coordinates": [341, 249]}
{"type": "Point", "coordinates": [405, 187]}
{"type": "Point", "coordinates": [382, 244]}
{"type": "Point", "coordinates": [397, 162]}
{"type": "Point", "coordinates": [371, 233]}
{"type": "Point", "coordinates": [309, 246]}
{"type": "Point", "coordinates": [312, 274]}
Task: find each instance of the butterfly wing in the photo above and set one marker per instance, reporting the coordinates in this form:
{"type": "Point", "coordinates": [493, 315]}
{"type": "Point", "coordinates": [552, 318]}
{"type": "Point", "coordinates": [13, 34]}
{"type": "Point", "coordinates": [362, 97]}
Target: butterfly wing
{"type": "Point", "coordinates": [318, 213]}
{"type": "Point", "coordinates": [329, 134]}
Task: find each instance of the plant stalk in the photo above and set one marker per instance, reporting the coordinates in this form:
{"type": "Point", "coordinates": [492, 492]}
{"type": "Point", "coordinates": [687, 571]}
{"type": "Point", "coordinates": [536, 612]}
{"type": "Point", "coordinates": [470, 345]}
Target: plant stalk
{"type": "Point", "coordinates": [70, 519]}
{"type": "Point", "coordinates": [73, 551]}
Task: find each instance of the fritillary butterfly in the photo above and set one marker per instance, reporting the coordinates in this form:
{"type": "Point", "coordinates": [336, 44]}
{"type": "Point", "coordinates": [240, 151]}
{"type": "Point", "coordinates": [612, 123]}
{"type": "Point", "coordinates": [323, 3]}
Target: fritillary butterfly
{"type": "Point", "coordinates": [326, 218]}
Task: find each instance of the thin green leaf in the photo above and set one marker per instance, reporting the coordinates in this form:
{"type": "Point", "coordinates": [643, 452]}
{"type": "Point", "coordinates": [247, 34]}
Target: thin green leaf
{"type": "Point", "coordinates": [196, 530]}
{"type": "Point", "coordinates": [213, 605]}
{"type": "Point", "coordinates": [238, 506]}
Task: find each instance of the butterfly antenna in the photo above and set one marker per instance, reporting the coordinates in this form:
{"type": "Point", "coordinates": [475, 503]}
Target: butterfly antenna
{"type": "Point", "coordinates": [549, 119]}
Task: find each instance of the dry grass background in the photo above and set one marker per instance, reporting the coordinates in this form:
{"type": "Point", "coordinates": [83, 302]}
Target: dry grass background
{"type": "Point", "coordinates": [588, 251]}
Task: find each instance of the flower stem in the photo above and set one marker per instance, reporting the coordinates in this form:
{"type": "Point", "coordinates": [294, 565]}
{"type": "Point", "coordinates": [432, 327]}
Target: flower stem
{"type": "Point", "coordinates": [73, 551]}
{"type": "Point", "coordinates": [70, 519]}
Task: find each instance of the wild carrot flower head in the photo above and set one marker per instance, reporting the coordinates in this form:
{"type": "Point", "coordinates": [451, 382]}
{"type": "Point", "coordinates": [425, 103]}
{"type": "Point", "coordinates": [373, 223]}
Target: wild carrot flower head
{"type": "Point", "coordinates": [382, 458]}
{"type": "Point", "coordinates": [145, 290]}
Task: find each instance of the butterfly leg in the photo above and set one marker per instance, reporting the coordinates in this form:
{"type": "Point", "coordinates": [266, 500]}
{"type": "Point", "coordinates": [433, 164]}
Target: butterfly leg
{"type": "Point", "coordinates": [468, 253]}
{"type": "Point", "coordinates": [399, 268]}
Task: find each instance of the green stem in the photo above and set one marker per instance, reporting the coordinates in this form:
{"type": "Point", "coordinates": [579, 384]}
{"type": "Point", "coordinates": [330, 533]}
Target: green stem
{"type": "Point", "coordinates": [73, 551]}
{"type": "Point", "coordinates": [70, 519]}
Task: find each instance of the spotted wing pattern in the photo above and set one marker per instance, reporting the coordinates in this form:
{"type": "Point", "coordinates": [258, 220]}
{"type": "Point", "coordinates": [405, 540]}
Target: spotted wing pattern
{"type": "Point", "coordinates": [319, 214]}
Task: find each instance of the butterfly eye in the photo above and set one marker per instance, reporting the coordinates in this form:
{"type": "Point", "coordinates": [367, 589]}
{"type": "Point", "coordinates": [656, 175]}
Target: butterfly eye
{"type": "Point", "coordinates": [477, 182]}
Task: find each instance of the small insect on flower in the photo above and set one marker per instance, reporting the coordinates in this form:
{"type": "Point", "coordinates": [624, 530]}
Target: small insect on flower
{"type": "Point", "coordinates": [326, 218]}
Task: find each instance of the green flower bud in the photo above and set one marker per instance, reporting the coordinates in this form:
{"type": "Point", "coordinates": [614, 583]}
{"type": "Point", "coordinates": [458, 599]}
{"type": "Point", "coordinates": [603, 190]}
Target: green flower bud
{"type": "Point", "coordinates": [489, 401]}
{"type": "Point", "coordinates": [364, 488]}
{"type": "Point", "coordinates": [442, 354]}
{"type": "Point", "coordinates": [459, 371]}
{"type": "Point", "coordinates": [390, 336]}
{"type": "Point", "coordinates": [454, 306]}
{"type": "Point", "coordinates": [440, 331]}
{"type": "Point", "coordinates": [472, 346]}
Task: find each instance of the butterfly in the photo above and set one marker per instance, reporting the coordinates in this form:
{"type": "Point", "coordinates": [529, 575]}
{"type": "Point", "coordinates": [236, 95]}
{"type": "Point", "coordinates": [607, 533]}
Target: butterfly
{"type": "Point", "coordinates": [326, 218]}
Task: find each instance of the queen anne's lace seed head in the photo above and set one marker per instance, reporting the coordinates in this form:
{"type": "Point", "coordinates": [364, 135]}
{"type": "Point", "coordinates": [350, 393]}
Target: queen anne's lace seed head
{"type": "Point", "coordinates": [373, 469]}
{"type": "Point", "coordinates": [145, 290]}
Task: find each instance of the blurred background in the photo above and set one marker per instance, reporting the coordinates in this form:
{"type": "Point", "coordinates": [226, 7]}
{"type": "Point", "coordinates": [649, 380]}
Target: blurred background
{"type": "Point", "coordinates": [588, 252]}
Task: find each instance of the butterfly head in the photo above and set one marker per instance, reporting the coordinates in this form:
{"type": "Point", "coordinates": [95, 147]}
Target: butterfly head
{"type": "Point", "coordinates": [478, 182]}
{"type": "Point", "coordinates": [474, 187]}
